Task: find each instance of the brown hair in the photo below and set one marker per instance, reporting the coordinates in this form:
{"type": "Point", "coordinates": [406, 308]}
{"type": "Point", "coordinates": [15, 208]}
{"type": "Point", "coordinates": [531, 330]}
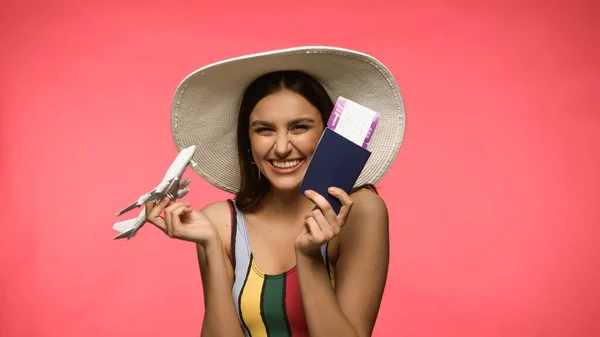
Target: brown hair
{"type": "Point", "coordinates": [253, 189]}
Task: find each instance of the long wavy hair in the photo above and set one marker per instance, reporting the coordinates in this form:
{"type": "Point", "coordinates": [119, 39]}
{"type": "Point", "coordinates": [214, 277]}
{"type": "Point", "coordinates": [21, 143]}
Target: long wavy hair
{"type": "Point", "coordinates": [253, 189]}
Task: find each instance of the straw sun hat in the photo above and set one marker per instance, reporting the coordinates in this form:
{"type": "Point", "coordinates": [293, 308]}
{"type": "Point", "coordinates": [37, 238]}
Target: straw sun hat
{"type": "Point", "coordinates": [206, 105]}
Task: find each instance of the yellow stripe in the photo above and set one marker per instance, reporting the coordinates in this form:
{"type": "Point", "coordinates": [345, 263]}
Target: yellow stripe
{"type": "Point", "coordinates": [332, 276]}
{"type": "Point", "coordinates": [250, 304]}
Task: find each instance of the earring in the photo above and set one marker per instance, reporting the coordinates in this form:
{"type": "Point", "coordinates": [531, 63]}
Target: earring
{"type": "Point", "coordinates": [250, 154]}
{"type": "Point", "coordinates": [253, 163]}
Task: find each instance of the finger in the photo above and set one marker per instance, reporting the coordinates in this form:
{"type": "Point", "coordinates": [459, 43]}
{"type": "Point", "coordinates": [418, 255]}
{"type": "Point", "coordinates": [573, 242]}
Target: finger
{"type": "Point", "coordinates": [168, 219]}
{"type": "Point", "coordinates": [328, 229]}
{"type": "Point", "coordinates": [172, 217]}
{"type": "Point", "coordinates": [312, 214]}
{"type": "Point", "coordinates": [174, 207]}
{"type": "Point", "coordinates": [158, 222]}
{"type": "Point", "coordinates": [154, 209]}
{"type": "Point", "coordinates": [175, 219]}
{"type": "Point", "coordinates": [187, 210]}
{"type": "Point", "coordinates": [322, 204]}
{"type": "Point", "coordinates": [153, 214]}
{"type": "Point", "coordinates": [314, 229]}
{"type": "Point", "coordinates": [345, 200]}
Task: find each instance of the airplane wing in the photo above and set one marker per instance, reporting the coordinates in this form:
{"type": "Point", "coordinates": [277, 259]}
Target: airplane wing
{"type": "Point", "coordinates": [142, 200]}
{"type": "Point", "coordinates": [157, 194]}
{"type": "Point", "coordinates": [128, 228]}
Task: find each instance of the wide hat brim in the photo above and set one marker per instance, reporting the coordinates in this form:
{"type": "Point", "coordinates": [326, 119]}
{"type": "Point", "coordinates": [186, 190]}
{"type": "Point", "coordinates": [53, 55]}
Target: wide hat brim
{"type": "Point", "coordinates": [206, 106]}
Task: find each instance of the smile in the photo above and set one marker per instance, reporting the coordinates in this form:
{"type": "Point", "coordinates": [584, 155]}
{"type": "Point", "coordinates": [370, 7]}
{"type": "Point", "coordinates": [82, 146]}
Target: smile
{"type": "Point", "coordinates": [287, 166]}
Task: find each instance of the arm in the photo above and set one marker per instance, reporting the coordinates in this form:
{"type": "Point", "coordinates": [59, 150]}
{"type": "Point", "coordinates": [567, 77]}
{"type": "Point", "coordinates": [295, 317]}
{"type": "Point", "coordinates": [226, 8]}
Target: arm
{"type": "Point", "coordinates": [220, 317]}
{"type": "Point", "coordinates": [208, 229]}
{"type": "Point", "coordinates": [361, 270]}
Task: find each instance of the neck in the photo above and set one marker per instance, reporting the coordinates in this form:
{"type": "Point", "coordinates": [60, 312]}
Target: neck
{"type": "Point", "coordinates": [286, 203]}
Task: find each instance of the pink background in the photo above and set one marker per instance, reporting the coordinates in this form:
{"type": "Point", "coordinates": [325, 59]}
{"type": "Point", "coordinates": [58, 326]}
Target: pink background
{"type": "Point", "coordinates": [492, 199]}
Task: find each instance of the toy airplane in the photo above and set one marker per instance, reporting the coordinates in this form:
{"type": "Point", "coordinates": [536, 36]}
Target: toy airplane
{"type": "Point", "coordinates": [171, 187]}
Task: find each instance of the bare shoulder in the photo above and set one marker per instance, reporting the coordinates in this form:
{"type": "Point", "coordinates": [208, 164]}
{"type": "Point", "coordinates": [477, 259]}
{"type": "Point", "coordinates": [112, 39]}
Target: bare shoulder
{"type": "Point", "coordinates": [368, 205]}
{"type": "Point", "coordinates": [219, 213]}
{"type": "Point", "coordinates": [367, 223]}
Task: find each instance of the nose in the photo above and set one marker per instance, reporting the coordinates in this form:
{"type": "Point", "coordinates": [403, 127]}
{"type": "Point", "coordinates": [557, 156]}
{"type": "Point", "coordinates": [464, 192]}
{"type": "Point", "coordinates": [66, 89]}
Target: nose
{"type": "Point", "coordinates": [282, 146]}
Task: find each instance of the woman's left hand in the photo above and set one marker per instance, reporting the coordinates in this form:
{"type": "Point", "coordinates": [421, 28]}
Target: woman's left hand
{"type": "Point", "coordinates": [322, 224]}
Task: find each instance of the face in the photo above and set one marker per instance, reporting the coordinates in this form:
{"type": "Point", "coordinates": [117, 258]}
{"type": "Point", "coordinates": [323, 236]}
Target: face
{"type": "Point", "coordinates": [284, 132]}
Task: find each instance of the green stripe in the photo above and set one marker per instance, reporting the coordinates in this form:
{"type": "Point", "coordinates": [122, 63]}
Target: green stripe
{"type": "Point", "coordinates": [272, 306]}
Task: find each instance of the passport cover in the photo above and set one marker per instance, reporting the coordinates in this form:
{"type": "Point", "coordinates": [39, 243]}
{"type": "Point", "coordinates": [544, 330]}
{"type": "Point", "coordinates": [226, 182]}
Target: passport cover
{"type": "Point", "coordinates": [336, 162]}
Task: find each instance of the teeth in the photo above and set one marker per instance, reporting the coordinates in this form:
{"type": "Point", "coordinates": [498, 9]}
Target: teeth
{"type": "Point", "coordinates": [285, 164]}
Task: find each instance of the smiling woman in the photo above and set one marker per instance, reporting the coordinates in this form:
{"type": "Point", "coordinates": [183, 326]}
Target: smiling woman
{"type": "Point", "coordinates": [282, 117]}
{"type": "Point", "coordinates": [275, 262]}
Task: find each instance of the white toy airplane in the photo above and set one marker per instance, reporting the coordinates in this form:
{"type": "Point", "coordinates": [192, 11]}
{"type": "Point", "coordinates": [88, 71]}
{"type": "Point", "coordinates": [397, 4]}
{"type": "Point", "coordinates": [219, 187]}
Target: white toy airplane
{"type": "Point", "coordinates": [171, 187]}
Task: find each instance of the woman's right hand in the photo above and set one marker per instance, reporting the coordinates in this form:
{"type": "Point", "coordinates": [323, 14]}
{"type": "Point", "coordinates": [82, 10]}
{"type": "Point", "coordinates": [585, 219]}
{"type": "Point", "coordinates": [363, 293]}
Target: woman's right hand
{"type": "Point", "coordinates": [182, 222]}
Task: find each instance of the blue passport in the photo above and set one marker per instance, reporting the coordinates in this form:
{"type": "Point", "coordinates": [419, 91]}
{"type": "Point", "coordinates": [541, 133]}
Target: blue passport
{"type": "Point", "coordinates": [336, 162]}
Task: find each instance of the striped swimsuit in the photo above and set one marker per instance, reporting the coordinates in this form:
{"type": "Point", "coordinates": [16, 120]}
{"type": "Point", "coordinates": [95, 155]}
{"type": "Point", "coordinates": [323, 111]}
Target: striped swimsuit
{"type": "Point", "coordinates": [266, 304]}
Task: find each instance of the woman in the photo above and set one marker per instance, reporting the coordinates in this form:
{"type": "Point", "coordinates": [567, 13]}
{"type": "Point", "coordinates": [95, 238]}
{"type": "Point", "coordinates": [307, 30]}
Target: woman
{"type": "Point", "coordinates": [275, 262]}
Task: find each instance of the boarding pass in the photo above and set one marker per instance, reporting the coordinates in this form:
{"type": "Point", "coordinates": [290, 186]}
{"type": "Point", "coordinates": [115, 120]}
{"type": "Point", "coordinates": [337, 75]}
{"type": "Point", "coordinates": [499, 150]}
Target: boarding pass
{"type": "Point", "coordinates": [353, 121]}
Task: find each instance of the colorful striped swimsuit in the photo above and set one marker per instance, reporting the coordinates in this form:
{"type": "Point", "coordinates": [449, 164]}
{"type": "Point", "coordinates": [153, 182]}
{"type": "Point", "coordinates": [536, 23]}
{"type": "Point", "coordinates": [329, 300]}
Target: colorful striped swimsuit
{"type": "Point", "coordinates": [267, 305]}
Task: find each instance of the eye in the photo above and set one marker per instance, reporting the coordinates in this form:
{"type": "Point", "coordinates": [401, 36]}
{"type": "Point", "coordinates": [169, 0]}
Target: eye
{"type": "Point", "coordinates": [300, 128]}
{"type": "Point", "coordinates": [262, 130]}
